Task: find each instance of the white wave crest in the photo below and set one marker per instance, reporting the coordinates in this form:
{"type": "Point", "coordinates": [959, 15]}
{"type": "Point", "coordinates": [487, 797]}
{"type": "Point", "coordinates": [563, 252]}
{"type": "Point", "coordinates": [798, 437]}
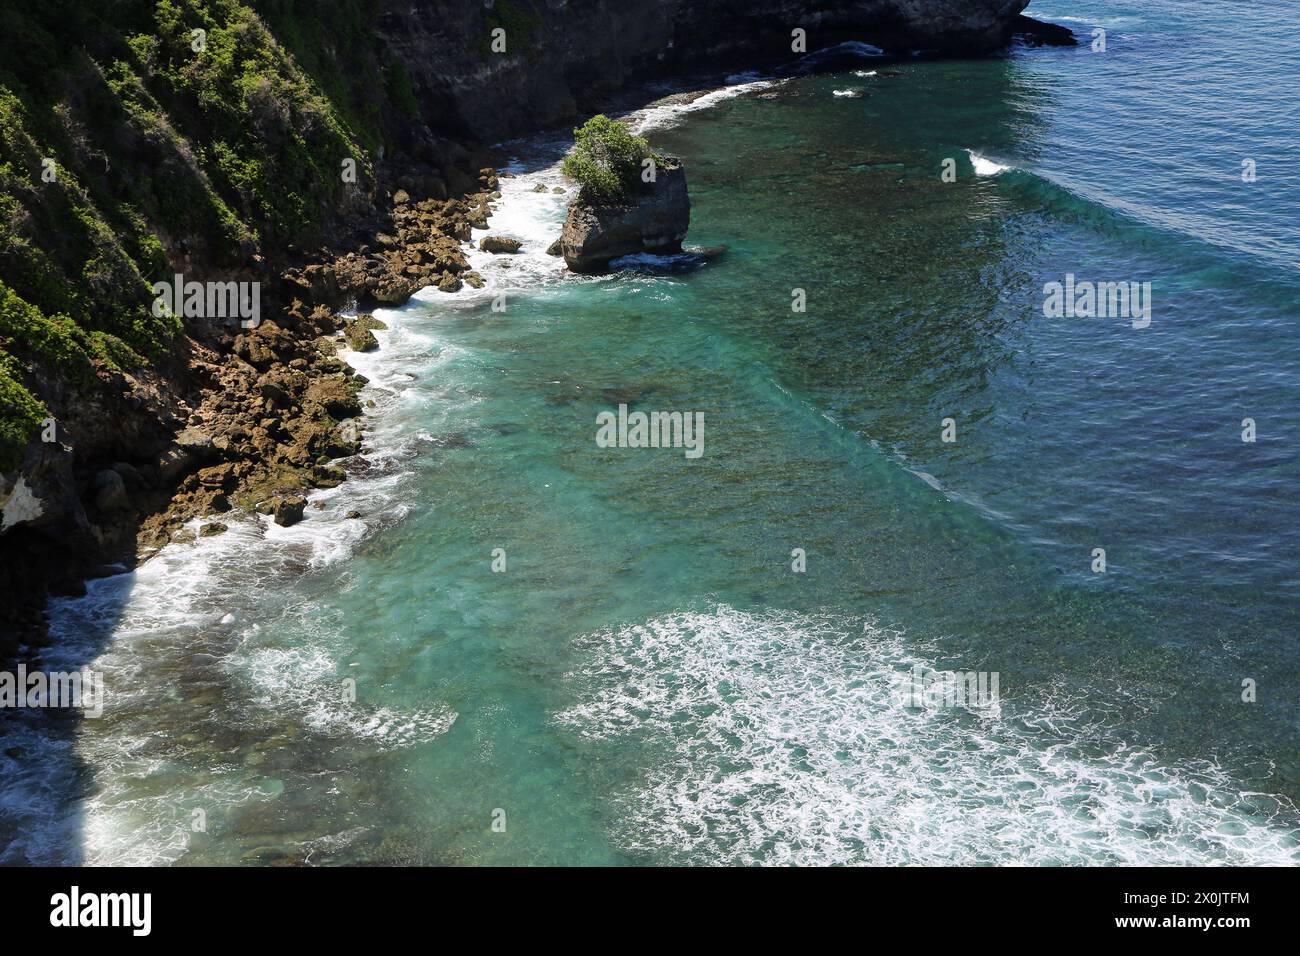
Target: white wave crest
{"type": "Point", "coordinates": [777, 740]}
{"type": "Point", "coordinates": [985, 167]}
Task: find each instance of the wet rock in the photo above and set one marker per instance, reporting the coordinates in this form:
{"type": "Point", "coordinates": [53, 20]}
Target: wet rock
{"type": "Point", "coordinates": [360, 339]}
{"type": "Point", "coordinates": [288, 510]}
{"type": "Point", "coordinates": [395, 289]}
{"type": "Point", "coordinates": [212, 529]}
{"type": "Point", "coordinates": [1039, 33]}
{"type": "Point", "coordinates": [556, 248]}
{"type": "Point", "coordinates": [500, 244]}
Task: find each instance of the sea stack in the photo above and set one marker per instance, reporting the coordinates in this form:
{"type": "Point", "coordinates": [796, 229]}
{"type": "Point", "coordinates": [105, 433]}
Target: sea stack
{"type": "Point", "coordinates": [653, 220]}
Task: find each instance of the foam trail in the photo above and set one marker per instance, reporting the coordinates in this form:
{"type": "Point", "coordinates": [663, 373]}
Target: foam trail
{"type": "Point", "coordinates": [778, 738]}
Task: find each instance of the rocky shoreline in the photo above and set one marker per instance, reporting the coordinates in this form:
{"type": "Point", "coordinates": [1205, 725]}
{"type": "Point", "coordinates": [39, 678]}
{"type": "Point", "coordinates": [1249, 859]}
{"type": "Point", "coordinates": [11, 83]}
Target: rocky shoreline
{"type": "Point", "coordinates": [253, 419]}
{"type": "Point", "coordinates": [269, 413]}
{"type": "Point", "coordinates": [283, 404]}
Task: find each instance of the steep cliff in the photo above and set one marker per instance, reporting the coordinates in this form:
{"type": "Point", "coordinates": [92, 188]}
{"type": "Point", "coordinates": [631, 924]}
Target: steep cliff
{"type": "Point", "coordinates": [242, 142]}
{"type": "Point", "coordinates": [564, 56]}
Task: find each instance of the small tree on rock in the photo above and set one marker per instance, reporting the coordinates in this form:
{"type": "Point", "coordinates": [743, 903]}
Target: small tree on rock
{"type": "Point", "coordinates": [607, 160]}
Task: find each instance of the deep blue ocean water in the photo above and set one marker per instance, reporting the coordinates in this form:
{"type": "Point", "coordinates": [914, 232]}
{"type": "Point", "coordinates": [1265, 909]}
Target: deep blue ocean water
{"type": "Point", "coordinates": [648, 680]}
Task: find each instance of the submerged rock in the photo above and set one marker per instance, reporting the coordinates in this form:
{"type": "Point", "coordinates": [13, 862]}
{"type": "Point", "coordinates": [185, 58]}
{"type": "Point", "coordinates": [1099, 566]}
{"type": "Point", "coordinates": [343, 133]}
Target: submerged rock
{"type": "Point", "coordinates": [653, 222]}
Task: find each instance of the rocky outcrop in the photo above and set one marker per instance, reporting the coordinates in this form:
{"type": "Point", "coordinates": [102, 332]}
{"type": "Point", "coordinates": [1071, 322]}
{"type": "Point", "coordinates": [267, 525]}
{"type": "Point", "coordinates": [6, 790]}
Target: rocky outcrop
{"type": "Point", "coordinates": [1040, 33]}
{"type": "Point", "coordinates": [653, 222]}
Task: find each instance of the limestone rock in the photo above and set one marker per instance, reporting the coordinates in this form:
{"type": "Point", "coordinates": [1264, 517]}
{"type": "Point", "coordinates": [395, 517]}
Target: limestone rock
{"type": "Point", "coordinates": [653, 222]}
{"type": "Point", "coordinates": [288, 510]}
{"type": "Point", "coordinates": [499, 244]}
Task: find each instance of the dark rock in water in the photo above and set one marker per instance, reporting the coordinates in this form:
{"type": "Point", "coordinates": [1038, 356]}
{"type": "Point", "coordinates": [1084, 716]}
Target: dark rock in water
{"type": "Point", "coordinates": [14, 752]}
{"type": "Point", "coordinates": [556, 248]}
{"type": "Point", "coordinates": [288, 511]}
{"type": "Point", "coordinates": [450, 440]}
{"type": "Point", "coordinates": [499, 244]}
{"type": "Point", "coordinates": [507, 428]}
{"type": "Point", "coordinates": [1038, 33]}
{"type": "Point", "coordinates": [271, 855]}
{"type": "Point", "coordinates": [360, 339]}
{"type": "Point", "coordinates": [654, 222]}
{"type": "Point", "coordinates": [353, 514]}
{"type": "Point", "coordinates": [211, 529]}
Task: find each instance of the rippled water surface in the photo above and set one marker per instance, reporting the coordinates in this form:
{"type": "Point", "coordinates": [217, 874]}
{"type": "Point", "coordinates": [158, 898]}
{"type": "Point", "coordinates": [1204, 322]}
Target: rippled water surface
{"type": "Point", "coordinates": [648, 681]}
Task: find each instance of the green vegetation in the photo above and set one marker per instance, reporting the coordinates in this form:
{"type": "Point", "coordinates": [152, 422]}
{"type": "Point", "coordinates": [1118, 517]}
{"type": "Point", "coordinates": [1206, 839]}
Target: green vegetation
{"type": "Point", "coordinates": [518, 23]}
{"type": "Point", "coordinates": [21, 413]}
{"type": "Point", "coordinates": [128, 141]}
{"type": "Point", "coordinates": [607, 160]}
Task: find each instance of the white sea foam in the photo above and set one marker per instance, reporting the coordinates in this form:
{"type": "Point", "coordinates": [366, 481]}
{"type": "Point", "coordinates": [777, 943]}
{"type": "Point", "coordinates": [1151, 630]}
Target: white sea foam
{"type": "Point", "coordinates": [985, 167]}
{"type": "Point", "coordinates": [850, 93]}
{"type": "Point", "coordinates": [670, 114]}
{"type": "Point", "coordinates": [775, 738]}
{"type": "Point", "coordinates": [306, 683]}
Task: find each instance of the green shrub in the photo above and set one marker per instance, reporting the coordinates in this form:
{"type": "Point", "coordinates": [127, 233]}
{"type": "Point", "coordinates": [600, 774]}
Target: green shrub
{"type": "Point", "coordinates": [607, 160]}
{"type": "Point", "coordinates": [21, 413]}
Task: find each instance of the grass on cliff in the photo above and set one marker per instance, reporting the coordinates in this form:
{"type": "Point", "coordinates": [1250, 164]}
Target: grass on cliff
{"type": "Point", "coordinates": [125, 151]}
{"type": "Point", "coordinates": [607, 161]}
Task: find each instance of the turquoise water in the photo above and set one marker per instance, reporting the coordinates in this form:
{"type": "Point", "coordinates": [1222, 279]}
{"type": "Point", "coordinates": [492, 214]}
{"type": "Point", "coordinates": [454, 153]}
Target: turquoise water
{"type": "Point", "coordinates": [647, 680]}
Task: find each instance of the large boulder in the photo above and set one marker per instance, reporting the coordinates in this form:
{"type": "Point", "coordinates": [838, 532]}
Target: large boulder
{"type": "Point", "coordinates": [499, 244]}
{"type": "Point", "coordinates": [653, 222]}
{"type": "Point", "coordinates": [288, 510]}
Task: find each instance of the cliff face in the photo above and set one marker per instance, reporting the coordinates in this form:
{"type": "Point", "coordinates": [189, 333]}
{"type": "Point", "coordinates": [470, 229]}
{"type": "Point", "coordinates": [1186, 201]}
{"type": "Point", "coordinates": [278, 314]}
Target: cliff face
{"type": "Point", "coordinates": [563, 56]}
{"type": "Point", "coordinates": [223, 139]}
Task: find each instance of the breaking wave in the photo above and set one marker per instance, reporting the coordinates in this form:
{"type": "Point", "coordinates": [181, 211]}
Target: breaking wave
{"type": "Point", "coordinates": [777, 738]}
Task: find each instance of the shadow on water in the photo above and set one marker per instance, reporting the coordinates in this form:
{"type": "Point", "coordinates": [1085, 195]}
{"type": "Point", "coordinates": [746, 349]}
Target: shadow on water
{"type": "Point", "coordinates": [45, 781]}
